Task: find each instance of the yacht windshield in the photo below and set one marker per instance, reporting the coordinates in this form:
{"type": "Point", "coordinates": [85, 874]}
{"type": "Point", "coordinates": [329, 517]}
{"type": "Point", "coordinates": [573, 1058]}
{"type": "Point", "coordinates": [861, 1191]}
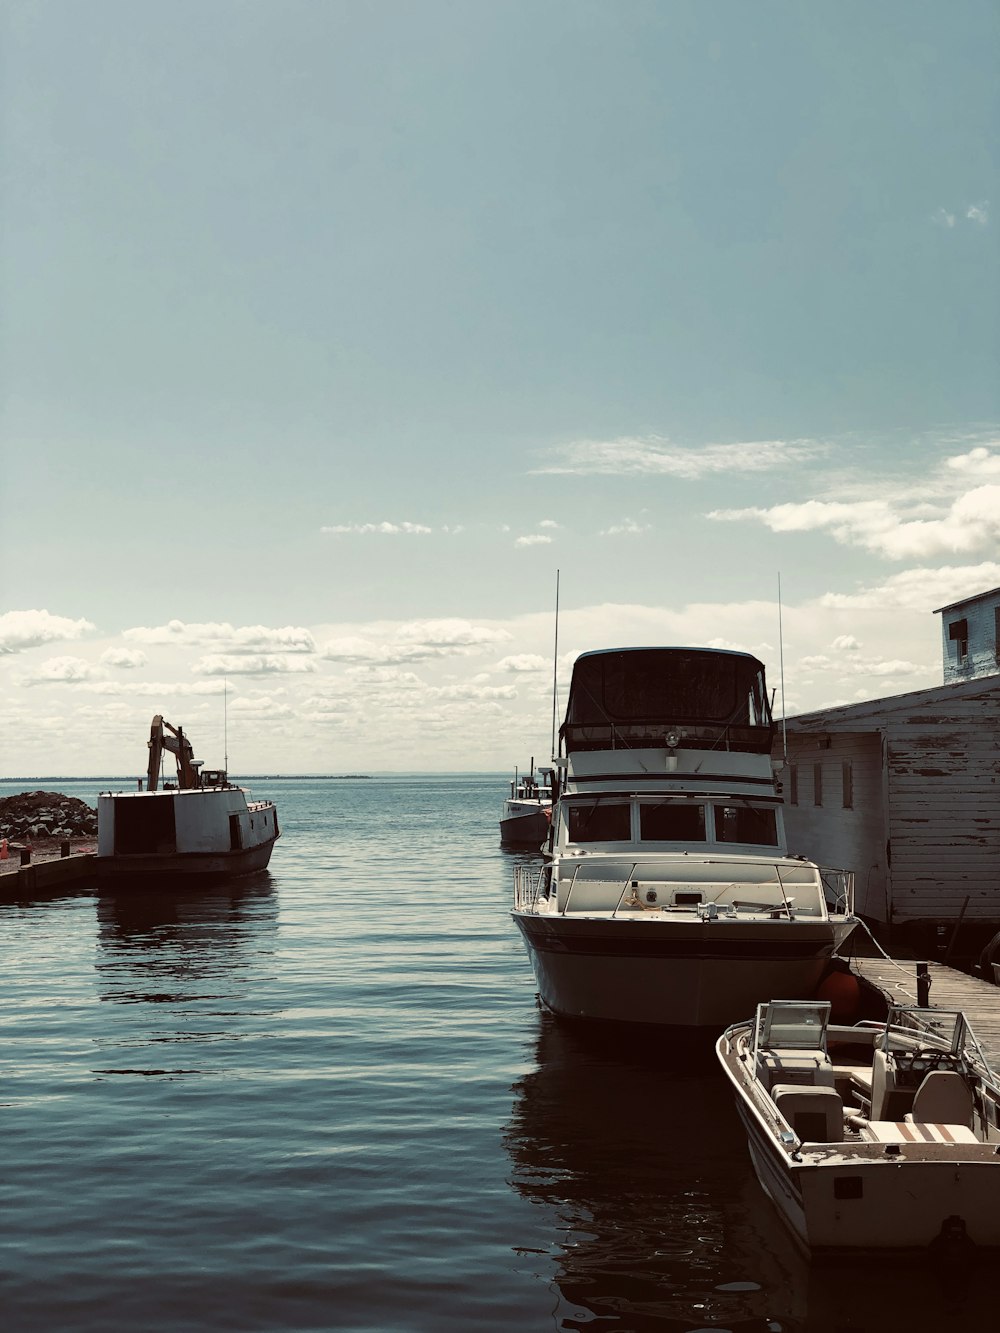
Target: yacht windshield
{"type": "Point", "coordinates": [746, 823]}
{"type": "Point", "coordinates": [599, 821]}
{"type": "Point", "coordinates": [671, 821]}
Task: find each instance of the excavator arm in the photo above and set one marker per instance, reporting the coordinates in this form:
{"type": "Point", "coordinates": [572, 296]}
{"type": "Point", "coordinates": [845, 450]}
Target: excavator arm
{"type": "Point", "coordinates": [162, 736]}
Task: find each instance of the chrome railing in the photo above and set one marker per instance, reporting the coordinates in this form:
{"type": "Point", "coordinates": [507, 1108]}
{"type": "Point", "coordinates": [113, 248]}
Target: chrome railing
{"type": "Point", "coordinates": [838, 890]}
{"type": "Point", "coordinates": [527, 886]}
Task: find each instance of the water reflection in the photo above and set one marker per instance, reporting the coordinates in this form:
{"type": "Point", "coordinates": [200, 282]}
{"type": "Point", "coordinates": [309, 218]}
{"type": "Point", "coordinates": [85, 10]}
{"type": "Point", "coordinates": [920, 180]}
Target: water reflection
{"type": "Point", "coordinates": [166, 945]}
{"type": "Point", "coordinates": [633, 1146]}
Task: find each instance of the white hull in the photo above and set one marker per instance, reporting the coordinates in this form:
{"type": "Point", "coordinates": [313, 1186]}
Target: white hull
{"type": "Point", "coordinates": [672, 975]}
{"type": "Point", "coordinates": [903, 1205]}
{"type": "Point", "coordinates": [875, 1185]}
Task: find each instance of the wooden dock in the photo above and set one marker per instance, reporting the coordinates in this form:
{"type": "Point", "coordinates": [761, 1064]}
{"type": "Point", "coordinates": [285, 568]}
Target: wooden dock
{"type": "Point", "coordinates": [48, 875]}
{"type": "Point", "coordinates": [896, 980]}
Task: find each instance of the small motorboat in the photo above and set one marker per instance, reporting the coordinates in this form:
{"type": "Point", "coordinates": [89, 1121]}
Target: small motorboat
{"type": "Point", "coordinates": [878, 1137]}
{"type": "Point", "coordinates": [527, 812]}
{"type": "Point", "coordinates": [201, 825]}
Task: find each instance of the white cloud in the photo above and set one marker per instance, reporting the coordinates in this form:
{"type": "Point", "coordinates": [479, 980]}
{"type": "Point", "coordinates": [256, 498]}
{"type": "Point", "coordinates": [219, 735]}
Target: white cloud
{"type": "Point", "coordinates": [656, 454]}
{"type": "Point", "coordinates": [918, 589]}
{"type": "Point", "coordinates": [129, 659]}
{"type": "Point", "coordinates": [549, 523]}
{"type": "Point", "coordinates": [522, 662]}
{"type": "Point", "coordinates": [450, 633]}
{"type": "Point", "coordinates": [942, 218]}
{"type": "Point", "coordinates": [979, 213]}
{"type": "Point", "coordinates": [59, 671]}
{"type": "Point", "coordinates": [979, 462]}
{"type": "Point", "coordinates": [628, 527]}
{"type": "Point", "coordinates": [259, 664]}
{"type": "Point", "coordinates": [20, 630]}
{"type": "Point", "coordinates": [262, 709]}
{"type": "Point", "coordinates": [154, 689]}
{"type": "Point", "coordinates": [971, 522]}
{"type": "Point", "coordinates": [846, 643]}
{"type": "Point", "coordinates": [244, 639]}
{"type": "Point", "coordinates": [389, 529]}
{"type": "Point", "coordinates": [534, 539]}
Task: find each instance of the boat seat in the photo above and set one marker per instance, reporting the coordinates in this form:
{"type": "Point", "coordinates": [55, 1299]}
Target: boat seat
{"type": "Point", "coordinates": [943, 1098]}
{"type": "Point", "coordinates": [805, 1068]}
{"type": "Point", "coordinates": [892, 1131]}
{"type": "Point", "coordinates": [816, 1114]}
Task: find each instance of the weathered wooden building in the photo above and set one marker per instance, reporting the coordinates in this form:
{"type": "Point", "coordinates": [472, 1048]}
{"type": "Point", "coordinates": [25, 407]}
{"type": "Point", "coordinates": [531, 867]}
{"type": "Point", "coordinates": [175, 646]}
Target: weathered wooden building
{"type": "Point", "coordinates": [905, 791]}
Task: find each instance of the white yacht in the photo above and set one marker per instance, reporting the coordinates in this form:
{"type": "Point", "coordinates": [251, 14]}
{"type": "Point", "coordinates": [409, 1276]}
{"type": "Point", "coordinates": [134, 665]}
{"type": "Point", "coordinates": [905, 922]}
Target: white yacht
{"type": "Point", "coordinates": [870, 1138]}
{"type": "Point", "coordinates": [198, 825]}
{"type": "Point", "coordinates": [669, 897]}
{"type": "Point", "coordinates": [524, 821]}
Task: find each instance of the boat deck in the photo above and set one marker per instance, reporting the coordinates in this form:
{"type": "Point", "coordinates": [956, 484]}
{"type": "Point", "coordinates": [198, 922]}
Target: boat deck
{"type": "Point", "coordinates": [896, 980]}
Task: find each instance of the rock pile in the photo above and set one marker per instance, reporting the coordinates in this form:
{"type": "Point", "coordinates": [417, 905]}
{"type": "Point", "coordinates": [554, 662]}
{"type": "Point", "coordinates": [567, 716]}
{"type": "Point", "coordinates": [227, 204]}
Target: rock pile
{"type": "Point", "coordinates": [46, 814]}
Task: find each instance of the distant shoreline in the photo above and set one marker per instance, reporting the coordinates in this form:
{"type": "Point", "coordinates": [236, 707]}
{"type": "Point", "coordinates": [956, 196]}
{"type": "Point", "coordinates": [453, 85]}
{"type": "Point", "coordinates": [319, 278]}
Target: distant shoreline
{"type": "Point", "coordinates": [269, 777]}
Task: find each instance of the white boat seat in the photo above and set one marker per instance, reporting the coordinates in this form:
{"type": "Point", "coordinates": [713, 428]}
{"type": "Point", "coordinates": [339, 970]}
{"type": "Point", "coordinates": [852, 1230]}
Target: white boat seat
{"type": "Point", "coordinates": [816, 1114]}
{"type": "Point", "coordinates": [943, 1098]}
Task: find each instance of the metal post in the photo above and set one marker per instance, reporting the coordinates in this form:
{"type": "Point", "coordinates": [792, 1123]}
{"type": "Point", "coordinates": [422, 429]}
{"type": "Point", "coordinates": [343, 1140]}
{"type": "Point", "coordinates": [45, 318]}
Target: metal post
{"type": "Point", "coordinates": [923, 985]}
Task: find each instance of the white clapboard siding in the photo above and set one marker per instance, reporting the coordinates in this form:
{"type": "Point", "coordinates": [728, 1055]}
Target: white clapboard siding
{"type": "Point", "coordinates": [935, 800]}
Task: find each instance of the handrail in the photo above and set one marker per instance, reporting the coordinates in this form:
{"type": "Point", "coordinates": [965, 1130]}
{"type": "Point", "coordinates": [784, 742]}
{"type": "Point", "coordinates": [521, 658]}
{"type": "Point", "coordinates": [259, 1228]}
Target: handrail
{"type": "Point", "coordinates": [569, 891]}
{"type": "Point", "coordinates": [628, 881]}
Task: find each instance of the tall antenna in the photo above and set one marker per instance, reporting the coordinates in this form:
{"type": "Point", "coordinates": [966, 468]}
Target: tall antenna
{"type": "Point", "coordinates": [781, 658]}
{"type": "Point", "coordinates": [555, 672]}
{"type": "Point", "coordinates": [225, 723]}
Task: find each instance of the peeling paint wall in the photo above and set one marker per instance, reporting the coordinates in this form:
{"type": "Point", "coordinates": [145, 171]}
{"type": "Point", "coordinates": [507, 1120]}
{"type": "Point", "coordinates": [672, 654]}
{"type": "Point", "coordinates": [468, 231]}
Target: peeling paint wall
{"type": "Point", "coordinates": [923, 833]}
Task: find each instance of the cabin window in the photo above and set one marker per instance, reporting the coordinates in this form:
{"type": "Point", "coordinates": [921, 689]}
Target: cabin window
{"type": "Point", "coordinates": [958, 634]}
{"type": "Point", "coordinates": [847, 780]}
{"type": "Point", "coordinates": [746, 823]}
{"type": "Point", "coordinates": [672, 821]}
{"type": "Point", "coordinates": [817, 784]}
{"type": "Point", "coordinates": [793, 784]}
{"type": "Point", "coordinates": [598, 821]}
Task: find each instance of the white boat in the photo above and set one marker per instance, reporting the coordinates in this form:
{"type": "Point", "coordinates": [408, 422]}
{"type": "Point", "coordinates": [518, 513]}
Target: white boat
{"type": "Point", "coordinates": [872, 1138]}
{"type": "Point", "coordinates": [670, 897]}
{"type": "Point", "coordinates": [200, 825]}
{"type": "Point", "coordinates": [524, 821]}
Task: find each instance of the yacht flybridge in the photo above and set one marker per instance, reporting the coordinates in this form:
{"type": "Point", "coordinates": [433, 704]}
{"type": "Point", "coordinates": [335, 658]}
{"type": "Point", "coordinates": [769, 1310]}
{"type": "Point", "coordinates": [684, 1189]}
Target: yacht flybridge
{"type": "Point", "coordinates": [670, 897]}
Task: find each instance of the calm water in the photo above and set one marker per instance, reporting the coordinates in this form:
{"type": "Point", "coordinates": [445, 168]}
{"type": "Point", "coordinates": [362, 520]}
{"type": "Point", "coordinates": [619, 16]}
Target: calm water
{"type": "Point", "coordinates": [327, 1100]}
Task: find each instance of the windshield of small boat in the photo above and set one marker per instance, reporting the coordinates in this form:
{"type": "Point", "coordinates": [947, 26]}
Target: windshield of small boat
{"type": "Point", "coordinates": [793, 1025]}
{"type": "Point", "coordinates": [907, 1025]}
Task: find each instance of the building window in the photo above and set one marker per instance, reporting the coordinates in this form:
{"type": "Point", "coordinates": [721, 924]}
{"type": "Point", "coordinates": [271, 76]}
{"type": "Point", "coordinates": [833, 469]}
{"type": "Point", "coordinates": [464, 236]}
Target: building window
{"type": "Point", "coordinates": [793, 784]}
{"type": "Point", "coordinates": [958, 634]}
{"type": "Point", "coordinates": [817, 784]}
{"type": "Point", "coordinates": [847, 777]}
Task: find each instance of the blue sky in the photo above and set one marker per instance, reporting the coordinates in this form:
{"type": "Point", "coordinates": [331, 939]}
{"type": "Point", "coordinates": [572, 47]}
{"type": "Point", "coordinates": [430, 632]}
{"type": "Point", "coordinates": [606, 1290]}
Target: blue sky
{"type": "Point", "coordinates": [330, 332]}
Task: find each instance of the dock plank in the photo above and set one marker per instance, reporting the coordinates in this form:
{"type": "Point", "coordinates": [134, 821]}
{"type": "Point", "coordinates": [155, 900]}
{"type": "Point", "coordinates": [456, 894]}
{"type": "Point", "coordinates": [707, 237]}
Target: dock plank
{"type": "Point", "coordinates": [950, 989]}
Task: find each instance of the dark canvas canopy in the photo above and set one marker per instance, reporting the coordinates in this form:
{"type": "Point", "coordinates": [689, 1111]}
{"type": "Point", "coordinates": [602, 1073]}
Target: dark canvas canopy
{"type": "Point", "coordinates": [635, 696]}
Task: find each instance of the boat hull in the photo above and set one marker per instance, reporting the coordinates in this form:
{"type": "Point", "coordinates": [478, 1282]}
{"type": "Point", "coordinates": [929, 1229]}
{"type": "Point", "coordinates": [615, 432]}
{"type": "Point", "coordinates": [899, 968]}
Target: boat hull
{"type": "Point", "coordinates": [899, 1205]}
{"type": "Point", "coordinates": [529, 830]}
{"type": "Point", "coordinates": [203, 867]}
{"type": "Point", "coordinates": [691, 975]}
